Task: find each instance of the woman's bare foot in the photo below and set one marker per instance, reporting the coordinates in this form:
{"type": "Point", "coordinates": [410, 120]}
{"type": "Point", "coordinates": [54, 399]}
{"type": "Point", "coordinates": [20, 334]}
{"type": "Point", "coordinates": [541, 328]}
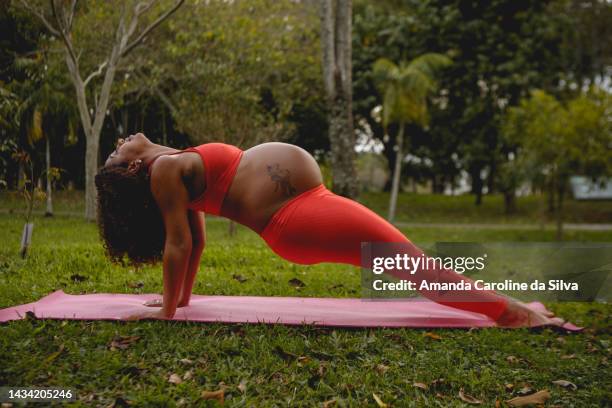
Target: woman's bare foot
{"type": "Point", "coordinates": [517, 314]}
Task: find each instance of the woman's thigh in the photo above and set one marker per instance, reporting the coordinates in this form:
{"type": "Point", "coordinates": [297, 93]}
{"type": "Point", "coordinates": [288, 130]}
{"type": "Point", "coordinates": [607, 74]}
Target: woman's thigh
{"type": "Point", "coordinates": [329, 228]}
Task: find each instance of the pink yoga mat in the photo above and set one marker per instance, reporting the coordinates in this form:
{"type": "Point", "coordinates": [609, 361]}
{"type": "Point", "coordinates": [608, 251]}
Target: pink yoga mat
{"type": "Point", "coordinates": [339, 312]}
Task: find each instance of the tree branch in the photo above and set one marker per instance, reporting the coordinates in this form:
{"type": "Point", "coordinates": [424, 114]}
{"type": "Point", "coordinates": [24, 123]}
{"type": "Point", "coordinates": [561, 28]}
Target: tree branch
{"type": "Point", "coordinates": [64, 37]}
{"type": "Point", "coordinates": [142, 8]}
{"type": "Point", "coordinates": [42, 18]}
{"type": "Point", "coordinates": [154, 89]}
{"type": "Point", "coordinates": [147, 30]}
{"type": "Point", "coordinates": [95, 73]}
{"type": "Point", "coordinates": [71, 15]}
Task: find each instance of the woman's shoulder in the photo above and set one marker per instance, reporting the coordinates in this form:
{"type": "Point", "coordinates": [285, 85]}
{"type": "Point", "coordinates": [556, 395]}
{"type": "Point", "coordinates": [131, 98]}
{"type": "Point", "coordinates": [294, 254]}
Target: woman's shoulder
{"type": "Point", "coordinates": [166, 180]}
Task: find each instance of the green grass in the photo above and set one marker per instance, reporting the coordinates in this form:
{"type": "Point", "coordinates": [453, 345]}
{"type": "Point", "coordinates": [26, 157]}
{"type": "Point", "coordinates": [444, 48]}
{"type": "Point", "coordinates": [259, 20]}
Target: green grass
{"type": "Point", "coordinates": [461, 209]}
{"type": "Point", "coordinates": [415, 208]}
{"type": "Point", "coordinates": [278, 365]}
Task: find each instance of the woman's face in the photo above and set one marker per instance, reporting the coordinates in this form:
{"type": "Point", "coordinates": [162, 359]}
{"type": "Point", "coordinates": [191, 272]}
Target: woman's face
{"type": "Point", "coordinates": [127, 150]}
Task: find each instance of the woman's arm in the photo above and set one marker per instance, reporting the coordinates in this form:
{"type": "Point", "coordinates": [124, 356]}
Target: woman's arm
{"type": "Point", "coordinates": [172, 199]}
{"type": "Point", "coordinates": [198, 242]}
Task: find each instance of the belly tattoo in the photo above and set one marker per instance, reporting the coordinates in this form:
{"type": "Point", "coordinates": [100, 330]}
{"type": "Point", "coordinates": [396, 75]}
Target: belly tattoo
{"type": "Point", "coordinates": [281, 178]}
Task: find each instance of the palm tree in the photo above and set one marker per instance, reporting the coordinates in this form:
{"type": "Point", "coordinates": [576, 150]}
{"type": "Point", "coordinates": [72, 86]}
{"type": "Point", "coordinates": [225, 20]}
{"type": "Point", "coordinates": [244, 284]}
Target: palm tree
{"type": "Point", "coordinates": [405, 89]}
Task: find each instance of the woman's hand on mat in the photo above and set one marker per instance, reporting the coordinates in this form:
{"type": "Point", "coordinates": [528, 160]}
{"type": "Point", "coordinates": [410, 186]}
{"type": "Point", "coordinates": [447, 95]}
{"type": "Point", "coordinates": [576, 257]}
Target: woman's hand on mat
{"type": "Point", "coordinates": [159, 303]}
{"type": "Point", "coordinates": [146, 314]}
{"type": "Point", "coordinates": [154, 303]}
{"type": "Point", "coordinates": [518, 314]}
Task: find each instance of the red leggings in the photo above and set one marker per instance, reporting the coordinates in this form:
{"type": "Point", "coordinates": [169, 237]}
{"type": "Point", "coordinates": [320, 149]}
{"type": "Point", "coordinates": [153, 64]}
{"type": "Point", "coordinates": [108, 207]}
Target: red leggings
{"type": "Point", "coordinates": [320, 226]}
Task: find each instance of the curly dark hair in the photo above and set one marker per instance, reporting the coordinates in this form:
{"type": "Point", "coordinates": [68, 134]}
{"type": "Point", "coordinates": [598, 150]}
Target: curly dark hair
{"type": "Point", "coordinates": [129, 221]}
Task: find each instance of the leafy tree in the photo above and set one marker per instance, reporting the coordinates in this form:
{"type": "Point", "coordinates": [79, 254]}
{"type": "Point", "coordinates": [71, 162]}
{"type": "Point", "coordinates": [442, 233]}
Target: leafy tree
{"type": "Point", "coordinates": [60, 20]}
{"type": "Point", "coordinates": [233, 71]}
{"type": "Point", "coordinates": [563, 140]}
{"type": "Point", "coordinates": [501, 50]}
{"type": "Point", "coordinates": [405, 90]}
{"type": "Point", "coordinates": [587, 40]}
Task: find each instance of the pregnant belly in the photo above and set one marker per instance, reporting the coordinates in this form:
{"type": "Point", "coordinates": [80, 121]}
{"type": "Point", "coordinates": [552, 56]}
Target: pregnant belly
{"type": "Point", "coordinates": [268, 176]}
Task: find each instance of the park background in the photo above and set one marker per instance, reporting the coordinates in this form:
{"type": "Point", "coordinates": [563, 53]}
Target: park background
{"type": "Point", "coordinates": [500, 112]}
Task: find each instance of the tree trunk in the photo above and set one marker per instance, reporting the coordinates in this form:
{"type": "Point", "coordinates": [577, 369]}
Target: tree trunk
{"type": "Point", "coordinates": [397, 171]}
{"type": "Point", "coordinates": [509, 202]}
{"type": "Point", "coordinates": [93, 130]}
{"type": "Point", "coordinates": [336, 16]}
{"type": "Point", "coordinates": [559, 211]}
{"type": "Point", "coordinates": [477, 184]}
{"type": "Point", "coordinates": [551, 199]}
{"type": "Point", "coordinates": [20, 175]}
{"type": "Point", "coordinates": [390, 156]}
{"type": "Point", "coordinates": [91, 167]}
{"type": "Point", "coordinates": [49, 211]}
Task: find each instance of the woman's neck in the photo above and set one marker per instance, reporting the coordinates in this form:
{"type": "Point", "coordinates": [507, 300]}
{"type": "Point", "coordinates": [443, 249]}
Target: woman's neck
{"type": "Point", "coordinates": [156, 150]}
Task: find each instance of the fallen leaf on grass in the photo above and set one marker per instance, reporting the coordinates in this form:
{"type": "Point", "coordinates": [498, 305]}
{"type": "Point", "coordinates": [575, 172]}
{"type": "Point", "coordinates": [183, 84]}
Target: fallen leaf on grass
{"type": "Point", "coordinates": [468, 398]}
{"type": "Point", "coordinates": [329, 403]}
{"type": "Point", "coordinates": [188, 375]}
{"type": "Point", "coordinates": [175, 379]}
{"type": "Point", "coordinates": [54, 355]}
{"type": "Point", "coordinates": [296, 283]}
{"type": "Point", "coordinates": [433, 336]}
{"type": "Point", "coordinates": [122, 342]}
{"type": "Point", "coordinates": [566, 384]}
{"type": "Point", "coordinates": [218, 395]}
{"type": "Point", "coordinates": [526, 390]}
{"type": "Point", "coordinates": [135, 285]}
{"type": "Point", "coordinates": [239, 278]}
{"type": "Point", "coordinates": [539, 397]}
{"type": "Point", "coordinates": [285, 355]}
{"type": "Point", "coordinates": [242, 386]}
{"type": "Point", "coordinates": [381, 369]}
{"type": "Point", "coordinates": [568, 357]}
{"type": "Point", "coordinates": [512, 359]}
{"type": "Point", "coordinates": [420, 385]}
{"type": "Point", "coordinates": [186, 361]}
{"type": "Point", "coordinates": [379, 402]}
{"type": "Point", "coordinates": [438, 382]}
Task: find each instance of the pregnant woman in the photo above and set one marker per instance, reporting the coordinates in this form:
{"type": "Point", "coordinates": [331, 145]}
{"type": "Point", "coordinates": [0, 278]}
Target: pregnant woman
{"type": "Point", "coordinates": [152, 200]}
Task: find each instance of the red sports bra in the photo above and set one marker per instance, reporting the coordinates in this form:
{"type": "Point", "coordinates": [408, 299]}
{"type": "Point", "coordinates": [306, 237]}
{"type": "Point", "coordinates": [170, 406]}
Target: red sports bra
{"type": "Point", "coordinates": [220, 163]}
